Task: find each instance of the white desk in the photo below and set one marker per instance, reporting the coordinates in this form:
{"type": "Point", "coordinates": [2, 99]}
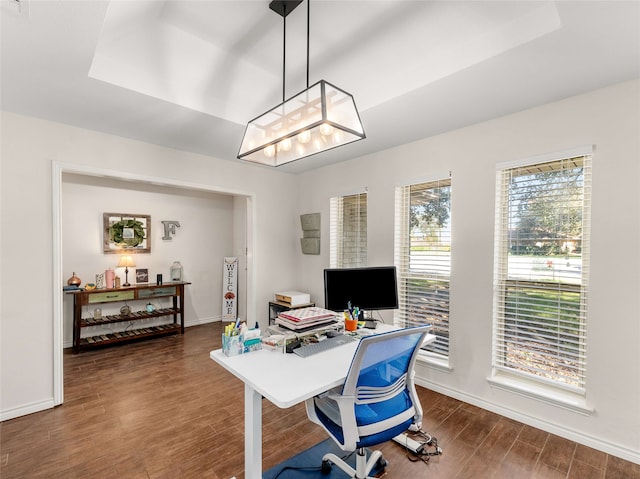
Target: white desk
{"type": "Point", "coordinates": [285, 380]}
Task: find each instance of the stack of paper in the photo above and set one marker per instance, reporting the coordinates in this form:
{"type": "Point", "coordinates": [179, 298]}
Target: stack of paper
{"type": "Point", "coordinates": [304, 318]}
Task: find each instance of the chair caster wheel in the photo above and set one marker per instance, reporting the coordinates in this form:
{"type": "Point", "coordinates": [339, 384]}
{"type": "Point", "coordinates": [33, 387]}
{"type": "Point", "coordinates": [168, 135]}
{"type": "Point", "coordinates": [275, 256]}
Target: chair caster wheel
{"type": "Point", "coordinates": [382, 462]}
{"type": "Point", "coordinates": [326, 467]}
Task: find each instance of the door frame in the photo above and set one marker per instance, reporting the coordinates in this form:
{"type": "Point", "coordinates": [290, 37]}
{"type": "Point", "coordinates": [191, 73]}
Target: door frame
{"type": "Point", "coordinates": [58, 168]}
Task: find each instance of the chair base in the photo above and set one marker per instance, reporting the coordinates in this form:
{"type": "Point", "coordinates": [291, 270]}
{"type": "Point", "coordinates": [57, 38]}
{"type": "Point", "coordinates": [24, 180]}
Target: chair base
{"type": "Point", "coordinates": [363, 465]}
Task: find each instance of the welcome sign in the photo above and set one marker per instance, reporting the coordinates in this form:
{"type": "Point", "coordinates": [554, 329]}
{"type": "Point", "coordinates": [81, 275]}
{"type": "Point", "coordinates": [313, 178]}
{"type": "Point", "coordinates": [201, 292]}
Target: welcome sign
{"type": "Point", "coordinates": [230, 289]}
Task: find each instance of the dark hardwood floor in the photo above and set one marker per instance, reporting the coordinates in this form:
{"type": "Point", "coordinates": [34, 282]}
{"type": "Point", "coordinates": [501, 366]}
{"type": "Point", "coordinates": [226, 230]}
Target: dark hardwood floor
{"type": "Point", "coordinates": [162, 409]}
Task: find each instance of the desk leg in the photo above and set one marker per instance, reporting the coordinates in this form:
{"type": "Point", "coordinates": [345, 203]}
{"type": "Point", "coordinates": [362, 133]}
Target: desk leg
{"type": "Point", "coordinates": [252, 433]}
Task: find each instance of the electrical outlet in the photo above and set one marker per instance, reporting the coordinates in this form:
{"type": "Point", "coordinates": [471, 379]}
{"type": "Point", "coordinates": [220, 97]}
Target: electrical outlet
{"type": "Point", "coordinates": [409, 443]}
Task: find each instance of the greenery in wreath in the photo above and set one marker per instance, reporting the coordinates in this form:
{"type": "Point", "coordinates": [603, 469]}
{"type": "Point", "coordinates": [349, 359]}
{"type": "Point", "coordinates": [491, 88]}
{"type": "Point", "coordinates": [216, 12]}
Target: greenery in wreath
{"type": "Point", "coordinates": [117, 236]}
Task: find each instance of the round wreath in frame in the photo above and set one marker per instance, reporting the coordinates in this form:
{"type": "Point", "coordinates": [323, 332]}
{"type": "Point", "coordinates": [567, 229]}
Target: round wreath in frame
{"type": "Point", "coordinates": [127, 233]}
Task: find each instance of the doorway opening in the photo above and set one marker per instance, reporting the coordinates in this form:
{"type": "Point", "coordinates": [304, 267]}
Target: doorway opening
{"type": "Point", "coordinates": [243, 228]}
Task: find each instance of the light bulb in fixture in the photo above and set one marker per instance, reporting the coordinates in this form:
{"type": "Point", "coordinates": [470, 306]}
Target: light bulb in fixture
{"type": "Point", "coordinates": [304, 136]}
{"type": "Point", "coordinates": [326, 129]}
{"type": "Point", "coordinates": [285, 145]}
{"type": "Point", "coordinates": [270, 151]}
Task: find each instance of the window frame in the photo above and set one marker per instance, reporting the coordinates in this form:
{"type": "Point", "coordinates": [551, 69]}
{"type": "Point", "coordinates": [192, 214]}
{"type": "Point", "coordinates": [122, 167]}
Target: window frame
{"type": "Point", "coordinates": [438, 354]}
{"type": "Point", "coordinates": [337, 239]}
{"type": "Point", "coordinates": [572, 396]}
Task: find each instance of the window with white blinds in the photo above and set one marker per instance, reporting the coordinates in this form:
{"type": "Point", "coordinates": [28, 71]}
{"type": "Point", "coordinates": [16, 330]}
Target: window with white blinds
{"type": "Point", "coordinates": [348, 234]}
{"type": "Point", "coordinates": [422, 249]}
{"type": "Point", "coordinates": [541, 271]}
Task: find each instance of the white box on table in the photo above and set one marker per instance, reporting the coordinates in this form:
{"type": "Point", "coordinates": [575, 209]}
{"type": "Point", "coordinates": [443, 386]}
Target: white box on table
{"type": "Point", "coordinates": [294, 298]}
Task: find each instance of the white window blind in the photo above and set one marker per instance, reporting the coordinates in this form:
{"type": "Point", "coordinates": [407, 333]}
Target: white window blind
{"type": "Point", "coordinates": [423, 258]}
{"type": "Point", "coordinates": [348, 235]}
{"type": "Point", "coordinates": [541, 271]}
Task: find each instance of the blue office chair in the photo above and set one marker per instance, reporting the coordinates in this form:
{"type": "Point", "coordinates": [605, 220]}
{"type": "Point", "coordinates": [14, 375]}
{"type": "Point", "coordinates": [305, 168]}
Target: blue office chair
{"type": "Point", "coordinates": [377, 402]}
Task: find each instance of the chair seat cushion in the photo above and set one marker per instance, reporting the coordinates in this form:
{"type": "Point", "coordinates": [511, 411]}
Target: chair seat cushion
{"type": "Point", "coordinates": [329, 414]}
{"type": "Point", "coordinates": [378, 412]}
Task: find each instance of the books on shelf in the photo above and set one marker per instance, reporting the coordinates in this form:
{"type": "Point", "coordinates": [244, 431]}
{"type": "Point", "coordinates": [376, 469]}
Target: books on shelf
{"type": "Point", "coordinates": [304, 326]}
{"type": "Point", "coordinates": [307, 314]}
{"type": "Point", "coordinates": [304, 318]}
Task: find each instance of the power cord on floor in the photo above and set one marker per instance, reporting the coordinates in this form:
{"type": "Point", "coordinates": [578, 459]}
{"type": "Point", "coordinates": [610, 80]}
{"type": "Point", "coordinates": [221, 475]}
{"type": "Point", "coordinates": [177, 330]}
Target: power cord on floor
{"type": "Point", "coordinates": [428, 446]}
{"type": "Point", "coordinates": [297, 468]}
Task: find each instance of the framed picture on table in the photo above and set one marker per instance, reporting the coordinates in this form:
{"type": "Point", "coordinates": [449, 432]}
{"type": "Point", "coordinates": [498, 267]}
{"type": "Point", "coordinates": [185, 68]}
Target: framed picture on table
{"type": "Point", "coordinates": [142, 275]}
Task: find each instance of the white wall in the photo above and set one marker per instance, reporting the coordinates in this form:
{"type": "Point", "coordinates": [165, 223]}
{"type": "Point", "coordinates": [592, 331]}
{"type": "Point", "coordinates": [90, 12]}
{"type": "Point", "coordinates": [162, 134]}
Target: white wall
{"type": "Point", "coordinates": [28, 149]}
{"type": "Point", "coordinates": [608, 119]}
{"type": "Point", "coordinates": [204, 238]}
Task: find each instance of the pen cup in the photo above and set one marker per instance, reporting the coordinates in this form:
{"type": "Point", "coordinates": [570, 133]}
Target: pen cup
{"type": "Point", "coordinates": [350, 324]}
{"type": "Point", "coordinates": [232, 345]}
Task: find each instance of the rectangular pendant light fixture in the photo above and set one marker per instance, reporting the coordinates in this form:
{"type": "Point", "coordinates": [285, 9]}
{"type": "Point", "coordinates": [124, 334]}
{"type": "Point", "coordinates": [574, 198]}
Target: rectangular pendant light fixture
{"type": "Point", "coordinates": [317, 119]}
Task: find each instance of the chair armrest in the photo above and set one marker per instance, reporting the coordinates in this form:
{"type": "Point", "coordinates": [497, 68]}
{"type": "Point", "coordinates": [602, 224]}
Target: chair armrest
{"type": "Point", "coordinates": [346, 404]}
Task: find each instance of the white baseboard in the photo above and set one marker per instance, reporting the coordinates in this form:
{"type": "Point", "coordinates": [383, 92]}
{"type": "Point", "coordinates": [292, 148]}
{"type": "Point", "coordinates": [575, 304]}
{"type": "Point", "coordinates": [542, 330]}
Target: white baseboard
{"type": "Point", "coordinates": [567, 433]}
{"type": "Point", "coordinates": [26, 409]}
{"type": "Point", "coordinates": [199, 321]}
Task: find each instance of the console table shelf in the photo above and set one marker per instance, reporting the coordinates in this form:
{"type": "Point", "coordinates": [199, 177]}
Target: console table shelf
{"type": "Point", "coordinates": [118, 318]}
{"type": "Point", "coordinates": [137, 292]}
{"type": "Point", "coordinates": [129, 335]}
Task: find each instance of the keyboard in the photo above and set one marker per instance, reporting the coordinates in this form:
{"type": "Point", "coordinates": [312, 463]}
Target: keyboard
{"type": "Point", "coordinates": [310, 349]}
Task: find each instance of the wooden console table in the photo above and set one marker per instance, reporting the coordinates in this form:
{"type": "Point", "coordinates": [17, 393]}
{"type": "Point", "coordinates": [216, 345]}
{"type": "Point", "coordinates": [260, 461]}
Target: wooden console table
{"type": "Point", "coordinates": [136, 292]}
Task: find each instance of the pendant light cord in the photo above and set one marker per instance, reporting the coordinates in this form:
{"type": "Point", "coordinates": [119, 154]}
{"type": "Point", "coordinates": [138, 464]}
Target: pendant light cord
{"type": "Point", "coordinates": [284, 47]}
{"type": "Point", "coordinates": [308, 16]}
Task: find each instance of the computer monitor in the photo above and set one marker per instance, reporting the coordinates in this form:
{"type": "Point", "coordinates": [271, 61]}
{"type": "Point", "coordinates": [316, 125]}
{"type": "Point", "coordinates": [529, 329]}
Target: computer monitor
{"type": "Point", "coordinates": [367, 288]}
